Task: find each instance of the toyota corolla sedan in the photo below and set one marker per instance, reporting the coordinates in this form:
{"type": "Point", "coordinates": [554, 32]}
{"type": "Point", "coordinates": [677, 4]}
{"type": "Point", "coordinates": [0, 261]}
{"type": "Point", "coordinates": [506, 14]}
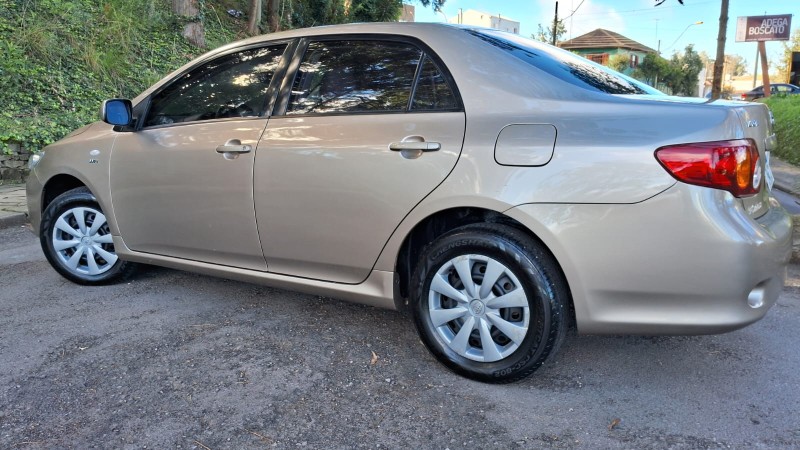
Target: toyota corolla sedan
{"type": "Point", "coordinates": [495, 188]}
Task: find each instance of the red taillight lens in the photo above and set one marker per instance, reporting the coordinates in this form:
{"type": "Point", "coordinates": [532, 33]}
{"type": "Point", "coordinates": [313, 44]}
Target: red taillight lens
{"type": "Point", "coordinates": [728, 165]}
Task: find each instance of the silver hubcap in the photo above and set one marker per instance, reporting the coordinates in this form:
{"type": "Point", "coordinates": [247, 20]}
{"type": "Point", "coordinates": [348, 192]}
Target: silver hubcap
{"type": "Point", "coordinates": [82, 241]}
{"type": "Point", "coordinates": [478, 308]}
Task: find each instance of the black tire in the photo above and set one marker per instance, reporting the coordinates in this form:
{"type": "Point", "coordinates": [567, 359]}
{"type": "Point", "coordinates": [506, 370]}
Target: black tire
{"type": "Point", "coordinates": [527, 262]}
{"type": "Point", "coordinates": [108, 271]}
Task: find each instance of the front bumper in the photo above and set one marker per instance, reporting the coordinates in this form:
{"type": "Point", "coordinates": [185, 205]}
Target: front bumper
{"type": "Point", "coordinates": [688, 261]}
{"type": "Point", "coordinates": [33, 192]}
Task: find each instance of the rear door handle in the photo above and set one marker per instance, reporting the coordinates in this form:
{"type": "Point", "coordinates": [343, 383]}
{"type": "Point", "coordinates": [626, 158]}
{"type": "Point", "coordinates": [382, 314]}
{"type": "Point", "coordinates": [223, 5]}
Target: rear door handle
{"type": "Point", "coordinates": [415, 145]}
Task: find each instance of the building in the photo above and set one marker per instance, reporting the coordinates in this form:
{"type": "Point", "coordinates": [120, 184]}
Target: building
{"type": "Point", "coordinates": [600, 45]}
{"type": "Point", "coordinates": [408, 13]}
{"type": "Point", "coordinates": [482, 19]}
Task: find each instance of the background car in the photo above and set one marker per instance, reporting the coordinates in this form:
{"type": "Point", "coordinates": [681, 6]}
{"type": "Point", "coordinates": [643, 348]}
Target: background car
{"type": "Point", "coordinates": [495, 188]}
{"type": "Point", "coordinates": [775, 89]}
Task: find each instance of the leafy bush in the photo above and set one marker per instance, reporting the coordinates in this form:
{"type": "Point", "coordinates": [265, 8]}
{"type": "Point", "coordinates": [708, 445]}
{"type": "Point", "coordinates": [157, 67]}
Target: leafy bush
{"type": "Point", "coordinates": [60, 58]}
{"type": "Point", "coordinates": [786, 109]}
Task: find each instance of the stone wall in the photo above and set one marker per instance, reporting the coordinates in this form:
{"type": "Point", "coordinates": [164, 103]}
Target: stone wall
{"type": "Point", "coordinates": [14, 166]}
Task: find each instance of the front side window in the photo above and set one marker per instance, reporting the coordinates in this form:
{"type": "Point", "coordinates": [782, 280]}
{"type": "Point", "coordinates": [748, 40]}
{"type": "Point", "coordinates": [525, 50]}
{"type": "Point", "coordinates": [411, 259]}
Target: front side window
{"type": "Point", "coordinates": [354, 76]}
{"type": "Point", "coordinates": [230, 86]}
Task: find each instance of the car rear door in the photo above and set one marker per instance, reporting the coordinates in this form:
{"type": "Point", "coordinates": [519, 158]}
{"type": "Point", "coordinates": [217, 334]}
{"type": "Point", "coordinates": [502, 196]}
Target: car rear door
{"type": "Point", "coordinates": [367, 128]}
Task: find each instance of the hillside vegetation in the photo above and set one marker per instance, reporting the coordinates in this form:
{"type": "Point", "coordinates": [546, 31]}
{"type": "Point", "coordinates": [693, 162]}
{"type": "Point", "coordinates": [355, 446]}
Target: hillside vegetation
{"type": "Point", "coordinates": [60, 58]}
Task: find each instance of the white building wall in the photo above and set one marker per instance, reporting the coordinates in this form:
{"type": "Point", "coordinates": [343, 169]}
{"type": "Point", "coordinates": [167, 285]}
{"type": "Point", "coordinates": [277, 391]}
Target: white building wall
{"type": "Point", "coordinates": [408, 13]}
{"type": "Point", "coordinates": [482, 19]}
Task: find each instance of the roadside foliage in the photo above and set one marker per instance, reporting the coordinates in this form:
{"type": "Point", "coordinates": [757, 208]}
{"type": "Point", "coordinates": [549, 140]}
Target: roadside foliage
{"type": "Point", "coordinates": [786, 109]}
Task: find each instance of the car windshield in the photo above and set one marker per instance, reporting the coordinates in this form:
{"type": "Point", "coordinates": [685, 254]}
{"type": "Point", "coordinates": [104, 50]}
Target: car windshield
{"type": "Point", "coordinates": [564, 65]}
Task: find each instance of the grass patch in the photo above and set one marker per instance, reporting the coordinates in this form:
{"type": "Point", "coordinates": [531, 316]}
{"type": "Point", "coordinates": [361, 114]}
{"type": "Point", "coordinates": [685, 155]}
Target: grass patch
{"type": "Point", "coordinates": [786, 110]}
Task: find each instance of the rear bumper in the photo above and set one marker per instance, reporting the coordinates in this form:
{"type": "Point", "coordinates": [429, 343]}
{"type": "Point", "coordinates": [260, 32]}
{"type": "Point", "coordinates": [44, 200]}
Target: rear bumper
{"type": "Point", "coordinates": [683, 262]}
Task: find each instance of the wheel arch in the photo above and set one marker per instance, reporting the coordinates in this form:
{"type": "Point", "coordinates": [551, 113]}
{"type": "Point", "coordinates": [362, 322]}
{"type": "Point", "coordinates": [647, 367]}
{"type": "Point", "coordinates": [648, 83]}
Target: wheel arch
{"type": "Point", "coordinates": [57, 185]}
{"type": "Point", "coordinates": [441, 222]}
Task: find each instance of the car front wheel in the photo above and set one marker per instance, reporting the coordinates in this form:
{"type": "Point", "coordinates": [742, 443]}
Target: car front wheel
{"type": "Point", "coordinates": [491, 302]}
{"type": "Point", "coordinates": [77, 241]}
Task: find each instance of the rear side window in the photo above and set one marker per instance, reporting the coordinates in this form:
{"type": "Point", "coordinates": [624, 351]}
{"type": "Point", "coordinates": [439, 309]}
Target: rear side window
{"type": "Point", "coordinates": [564, 65]}
{"type": "Point", "coordinates": [230, 86]}
{"type": "Point", "coordinates": [354, 76]}
{"type": "Point", "coordinates": [364, 76]}
{"type": "Point", "coordinates": [432, 93]}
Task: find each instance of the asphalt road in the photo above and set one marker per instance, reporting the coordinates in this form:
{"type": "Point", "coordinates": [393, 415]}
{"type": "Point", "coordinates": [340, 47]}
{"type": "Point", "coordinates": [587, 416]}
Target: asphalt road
{"type": "Point", "coordinates": [788, 201]}
{"type": "Point", "coordinates": [176, 360]}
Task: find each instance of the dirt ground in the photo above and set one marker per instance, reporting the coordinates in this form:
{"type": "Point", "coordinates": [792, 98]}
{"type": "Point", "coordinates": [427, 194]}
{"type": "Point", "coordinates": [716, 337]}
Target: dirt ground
{"type": "Point", "coordinates": [177, 360]}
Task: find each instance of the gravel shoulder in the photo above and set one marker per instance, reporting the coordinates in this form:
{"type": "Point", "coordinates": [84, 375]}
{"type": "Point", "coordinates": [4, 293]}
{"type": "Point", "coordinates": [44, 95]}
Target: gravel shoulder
{"type": "Point", "coordinates": [179, 360]}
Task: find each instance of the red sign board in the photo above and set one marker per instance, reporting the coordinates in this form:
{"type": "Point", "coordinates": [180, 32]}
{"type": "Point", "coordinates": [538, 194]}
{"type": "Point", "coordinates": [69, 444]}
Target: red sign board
{"type": "Point", "coordinates": [764, 28]}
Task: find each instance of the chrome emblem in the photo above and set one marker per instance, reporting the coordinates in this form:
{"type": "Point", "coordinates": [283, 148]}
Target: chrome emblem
{"type": "Point", "coordinates": [752, 123]}
{"type": "Point", "coordinates": [477, 307]}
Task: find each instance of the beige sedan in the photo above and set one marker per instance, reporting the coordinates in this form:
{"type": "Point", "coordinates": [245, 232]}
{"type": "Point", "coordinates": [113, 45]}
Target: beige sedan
{"type": "Point", "coordinates": [496, 188]}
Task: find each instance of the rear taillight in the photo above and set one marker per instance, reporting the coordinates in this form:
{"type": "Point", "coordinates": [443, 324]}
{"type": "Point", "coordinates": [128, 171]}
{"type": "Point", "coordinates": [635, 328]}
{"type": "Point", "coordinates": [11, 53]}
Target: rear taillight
{"type": "Point", "coordinates": [728, 165]}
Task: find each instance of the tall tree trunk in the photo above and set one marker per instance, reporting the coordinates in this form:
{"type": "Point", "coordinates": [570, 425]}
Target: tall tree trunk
{"type": "Point", "coordinates": [254, 20]}
{"type": "Point", "coordinates": [716, 82]}
{"type": "Point", "coordinates": [193, 31]}
{"type": "Point", "coordinates": [274, 15]}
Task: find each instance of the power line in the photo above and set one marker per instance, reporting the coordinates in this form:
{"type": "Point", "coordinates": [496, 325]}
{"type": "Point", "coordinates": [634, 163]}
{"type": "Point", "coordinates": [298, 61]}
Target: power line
{"type": "Point", "coordinates": [573, 11]}
{"type": "Point", "coordinates": [649, 10]}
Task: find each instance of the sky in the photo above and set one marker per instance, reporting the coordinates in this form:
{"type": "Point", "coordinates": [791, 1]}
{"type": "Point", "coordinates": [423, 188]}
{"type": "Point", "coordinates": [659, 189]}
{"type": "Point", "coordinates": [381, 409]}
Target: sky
{"type": "Point", "coordinates": [639, 20]}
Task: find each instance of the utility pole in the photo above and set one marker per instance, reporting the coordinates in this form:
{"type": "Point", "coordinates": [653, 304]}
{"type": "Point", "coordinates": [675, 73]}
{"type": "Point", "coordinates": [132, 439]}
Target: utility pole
{"type": "Point", "coordinates": [755, 70]}
{"type": "Point", "coordinates": [555, 25]}
{"type": "Point", "coordinates": [716, 82]}
{"type": "Point", "coordinates": [762, 49]}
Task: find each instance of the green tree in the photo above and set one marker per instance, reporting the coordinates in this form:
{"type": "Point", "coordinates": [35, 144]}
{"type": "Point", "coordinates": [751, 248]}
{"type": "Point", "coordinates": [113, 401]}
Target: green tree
{"type": "Point", "coordinates": [374, 10]}
{"type": "Point", "coordinates": [716, 83]}
{"type": "Point", "coordinates": [737, 65]}
{"type": "Point", "coordinates": [684, 69]}
{"type": "Point", "coordinates": [307, 13]}
{"type": "Point", "coordinates": [784, 67]}
{"type": "Point", "coordinates": [545, 34]}
{"type": "Point", "coordinates": [619, 62]}
{"type": "Point", "coordinates": [652, 69]}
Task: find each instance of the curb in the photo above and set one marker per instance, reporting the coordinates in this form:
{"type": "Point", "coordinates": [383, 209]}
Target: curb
{"type": "Point", "coordinates": [13, 220]}
{"type": "Point", "coordinates": [789, 189]}
{"type": "Point", "coordinates": [795, 258]}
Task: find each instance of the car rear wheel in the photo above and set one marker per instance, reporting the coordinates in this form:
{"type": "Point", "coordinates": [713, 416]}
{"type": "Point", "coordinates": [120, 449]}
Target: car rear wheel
{"type": "Point", "coordinates": [77, 241]}
{"type": "Point", "coordinates": [490, 302]}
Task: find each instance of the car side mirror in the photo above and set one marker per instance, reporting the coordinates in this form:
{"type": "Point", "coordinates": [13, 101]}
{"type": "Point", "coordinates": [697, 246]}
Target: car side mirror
{"type": "Point", "coordinates": [117, 111]}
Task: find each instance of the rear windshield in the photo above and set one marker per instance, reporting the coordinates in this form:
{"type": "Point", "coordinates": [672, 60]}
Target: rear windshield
{"type": "Point", "coordinates": [564, 65]}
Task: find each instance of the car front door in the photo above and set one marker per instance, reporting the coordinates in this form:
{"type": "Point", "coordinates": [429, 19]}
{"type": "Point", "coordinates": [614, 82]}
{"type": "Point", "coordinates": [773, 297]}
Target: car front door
{"type": "Point", "coordinates": [182, 184]}
{"type": "Point", "coordinates": [370, 128]}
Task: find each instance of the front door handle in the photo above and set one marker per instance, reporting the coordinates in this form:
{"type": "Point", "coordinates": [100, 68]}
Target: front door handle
{"type": "Point", "coordinates": [233, 148]}
{"type": "Point", "coordinates": [412, 145]}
